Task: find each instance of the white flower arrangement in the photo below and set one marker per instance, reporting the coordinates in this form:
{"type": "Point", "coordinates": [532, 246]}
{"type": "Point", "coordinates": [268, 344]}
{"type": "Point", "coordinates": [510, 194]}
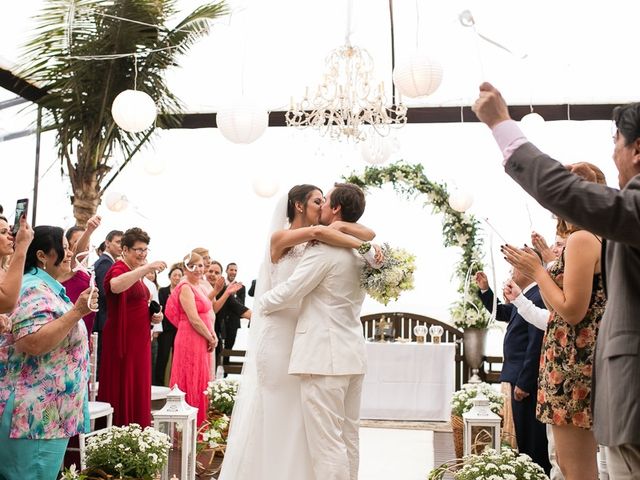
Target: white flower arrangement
{"type": "Point", "coordinates": [126, 452]}
{"type": "Point", "coordinates": [213, 433]}
{"type": "Point", "coordinates": [462, 400]}
{"type": "Point", "coordinates": [222, 395]}
{"type": "Point", "coordinates": [492, 465]}
{"type": "Point", "coordinates": [394, 276]}
{"type": "Point", "coordinates": [470, 316]}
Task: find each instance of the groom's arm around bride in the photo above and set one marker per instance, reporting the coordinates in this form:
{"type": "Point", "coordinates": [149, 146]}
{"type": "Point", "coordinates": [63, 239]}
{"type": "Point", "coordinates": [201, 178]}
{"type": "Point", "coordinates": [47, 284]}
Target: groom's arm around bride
{"type": "Point", "coordinates": [328, 351]}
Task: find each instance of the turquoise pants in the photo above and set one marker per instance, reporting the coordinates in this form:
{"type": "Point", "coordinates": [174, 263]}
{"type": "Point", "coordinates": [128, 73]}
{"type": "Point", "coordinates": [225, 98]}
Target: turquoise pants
{"type": "Point", "coordinates": [23, 458]}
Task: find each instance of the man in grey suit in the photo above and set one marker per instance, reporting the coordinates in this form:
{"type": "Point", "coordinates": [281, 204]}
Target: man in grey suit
{"type": "Point", "coordinates": [615, 215]}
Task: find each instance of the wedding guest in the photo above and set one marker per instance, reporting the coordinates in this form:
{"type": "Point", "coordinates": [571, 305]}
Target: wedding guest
{"type": "Point", "coordinates": [229, 315]}
{"type": "Point", "coordinates": [549, 254]}
{"type": "Point", "coordinates": [573, 290]}
{"type": "Point", "coordinates": [168, 334]}
{"type": "Point", "coordinates": [77, 280]}
{"type": "Point", "coordinates": [232, 273]}
{"type": "Point", "coordinates": [125, 380]}
{"type": "Point", "coordinates": [191, 312]}
{"type": "Point", "coordinates": [613, 214]}
{"type": "Point", "coordinates": [521, 351]}
{"type": "Point", "coordinates": [11, 272]}
{"type": "Point", "coordinates": [100, 248]}
{"type": "Point", "coordinates": [112, 252]}
{"type": "Point", "coordinates": [151, 282]}
{"type": "Point", "coordinates": [44, 365]}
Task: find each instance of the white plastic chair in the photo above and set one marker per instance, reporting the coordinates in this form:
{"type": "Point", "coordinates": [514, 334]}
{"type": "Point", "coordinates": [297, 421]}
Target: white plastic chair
{"type": "Point", "coordinates": [96, 409]}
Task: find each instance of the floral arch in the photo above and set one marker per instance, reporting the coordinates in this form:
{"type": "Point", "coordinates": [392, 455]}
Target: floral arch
{"type": "Point", "coordinates": [458, 229]}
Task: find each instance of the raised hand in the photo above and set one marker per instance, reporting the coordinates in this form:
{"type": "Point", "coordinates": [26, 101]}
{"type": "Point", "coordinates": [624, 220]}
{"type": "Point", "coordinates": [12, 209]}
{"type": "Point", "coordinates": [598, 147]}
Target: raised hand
{"type": "Point", "coordinates": [87, 301]}
{"type": "Point", "coordinates": [233, 287]}
{"type": "Point", "coordinates": [157, 266]}
{"type": "Point", "coordinates": [525, 260]}
{"type": "Point", "coordinates": [490, 107]}
{"type": "Point", "coordinates": [540, 244]}
{"type": "Point", "coordinates": [482, 281]}
{"type": "Point", "coordinates": [24, 236]}
{"type": "Point", "coordinates": [511, 291]}
{"type": "Point", "coordinates": [93, 223]}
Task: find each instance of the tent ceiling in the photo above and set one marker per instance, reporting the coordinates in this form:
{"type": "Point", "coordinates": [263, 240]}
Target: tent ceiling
{"type": "Point", "coordinates": [577, 53]}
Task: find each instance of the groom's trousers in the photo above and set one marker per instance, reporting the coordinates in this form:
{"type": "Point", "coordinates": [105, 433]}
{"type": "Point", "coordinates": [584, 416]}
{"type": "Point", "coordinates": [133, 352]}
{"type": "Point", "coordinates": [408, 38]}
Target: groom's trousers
{"type": "Point", "coordinates": [331, 411]}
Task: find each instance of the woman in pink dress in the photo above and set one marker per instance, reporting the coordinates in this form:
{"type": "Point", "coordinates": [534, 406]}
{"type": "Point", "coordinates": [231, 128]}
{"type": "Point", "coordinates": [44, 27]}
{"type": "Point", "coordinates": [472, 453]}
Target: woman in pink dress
{"type": "Point", "coordinates": [189, 309]}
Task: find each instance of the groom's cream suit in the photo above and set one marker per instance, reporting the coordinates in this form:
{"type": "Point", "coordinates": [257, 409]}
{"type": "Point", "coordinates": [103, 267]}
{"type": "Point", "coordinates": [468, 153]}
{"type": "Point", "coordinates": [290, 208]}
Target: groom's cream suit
{"type": "Point", "coordinates": [328, 353]}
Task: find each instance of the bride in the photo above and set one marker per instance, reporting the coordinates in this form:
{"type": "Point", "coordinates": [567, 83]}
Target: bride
{"type": "Point", "coordinates": [267, 437]}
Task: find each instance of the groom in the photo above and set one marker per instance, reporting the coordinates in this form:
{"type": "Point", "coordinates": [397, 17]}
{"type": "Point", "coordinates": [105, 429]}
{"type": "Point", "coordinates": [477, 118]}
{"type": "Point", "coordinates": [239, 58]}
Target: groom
{"type": "Point", "coordinates": [328, 350]}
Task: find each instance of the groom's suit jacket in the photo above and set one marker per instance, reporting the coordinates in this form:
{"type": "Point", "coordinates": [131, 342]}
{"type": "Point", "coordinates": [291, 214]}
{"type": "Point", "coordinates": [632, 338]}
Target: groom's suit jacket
{"type": "Point", "coordinates": [615, 215]}
{"type": "Point", "coordinates": [328, 338]}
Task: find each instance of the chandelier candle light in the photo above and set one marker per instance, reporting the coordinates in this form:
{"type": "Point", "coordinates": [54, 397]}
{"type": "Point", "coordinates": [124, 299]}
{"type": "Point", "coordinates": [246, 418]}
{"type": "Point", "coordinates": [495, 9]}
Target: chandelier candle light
{"type": "Point", "coordinates": [347, 99]}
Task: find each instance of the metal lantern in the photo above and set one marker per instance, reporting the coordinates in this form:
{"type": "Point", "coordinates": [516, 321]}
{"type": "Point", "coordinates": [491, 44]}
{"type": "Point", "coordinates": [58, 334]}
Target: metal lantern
{"type": "Point", "coordinates": [178, 420]}
{"type": "Point", "coordinates": [481, 425]}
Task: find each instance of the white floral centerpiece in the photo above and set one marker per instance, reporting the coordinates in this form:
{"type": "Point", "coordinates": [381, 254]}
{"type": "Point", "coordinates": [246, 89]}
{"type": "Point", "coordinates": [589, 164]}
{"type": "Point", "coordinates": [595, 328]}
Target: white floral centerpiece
{"type": "Point", "coordinates": [394, 276]}
{"type": "Point", "coordinates": [222, 395]}
{"type": "Point", "coordinates": [125, 452]}
{"type": "Point", "coordinates": [462, 400]}
{"type": "Point", "coordinates": [491, 465]}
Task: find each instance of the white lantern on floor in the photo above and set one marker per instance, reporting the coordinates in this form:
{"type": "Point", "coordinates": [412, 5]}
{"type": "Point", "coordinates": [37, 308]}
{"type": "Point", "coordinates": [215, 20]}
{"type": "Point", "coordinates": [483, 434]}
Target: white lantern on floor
{"type": "Point", "coordinates": [178, 420]}
{"type": "Point", "coordinates": [134, 111]}
{"type": "Point", "coordinates": [417, 77]}
{"type": "Point", "coordinates": [243, 122]}
{"type": "Point", "coordinates": [481, 426]}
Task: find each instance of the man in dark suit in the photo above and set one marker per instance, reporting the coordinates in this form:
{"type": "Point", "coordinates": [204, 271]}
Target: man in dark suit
{"type": "Point", "coordinates": [113, 249]}
{"type": "Point", "coordinates": [521, 351]}
{"type": "Point", "coordinates": [232, 273]}
{"type": "Point", "coordinates": [615, 215]}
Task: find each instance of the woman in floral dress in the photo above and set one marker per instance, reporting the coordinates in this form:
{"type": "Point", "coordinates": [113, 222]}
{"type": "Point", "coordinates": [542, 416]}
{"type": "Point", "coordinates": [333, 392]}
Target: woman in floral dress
{"type": "Point", "coordinates": [44, 367]}
{"type": "Point", "coordinates": [573, 291]}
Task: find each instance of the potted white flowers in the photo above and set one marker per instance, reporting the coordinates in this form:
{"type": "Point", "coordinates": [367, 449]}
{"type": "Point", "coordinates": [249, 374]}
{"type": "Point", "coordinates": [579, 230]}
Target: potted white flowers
{"type": "Point", "coordinates": [490, 464]}
{"type": "Point", "coordinates": [124, 453]}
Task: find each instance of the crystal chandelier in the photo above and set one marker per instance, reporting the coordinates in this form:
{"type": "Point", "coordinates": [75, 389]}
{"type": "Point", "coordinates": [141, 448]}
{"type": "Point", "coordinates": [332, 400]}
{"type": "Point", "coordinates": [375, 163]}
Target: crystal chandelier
{"type": "Point", "coordinates": [346, 100]}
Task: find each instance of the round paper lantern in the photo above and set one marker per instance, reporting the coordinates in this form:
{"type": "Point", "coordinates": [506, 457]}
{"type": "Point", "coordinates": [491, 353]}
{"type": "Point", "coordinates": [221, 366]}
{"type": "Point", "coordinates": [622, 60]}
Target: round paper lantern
{"type": "Point", "coordinates": [243, 122]}
{"type": "Point", "coordinates": [265, 187]}
{"type": "Point", "coordinates": [419, 76]}
{"type": "Point", "coordinates": [116, 201]}
{"type": "Point", "coordinates": [155, 166]}
{"type": "Point", "coordinates": [134, 111]}
{"type": "Point", "coordinates": [532, 120]}
{"type": "Point", "coordinates": [460, 201]}
{"type": "Point", "coordinates": [376, 149]}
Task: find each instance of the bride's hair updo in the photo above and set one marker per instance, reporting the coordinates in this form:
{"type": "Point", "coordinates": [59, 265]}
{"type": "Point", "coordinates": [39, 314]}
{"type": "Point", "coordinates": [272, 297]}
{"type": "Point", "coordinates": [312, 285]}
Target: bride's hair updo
{"type": "Point", "coordinates": [299, 193]}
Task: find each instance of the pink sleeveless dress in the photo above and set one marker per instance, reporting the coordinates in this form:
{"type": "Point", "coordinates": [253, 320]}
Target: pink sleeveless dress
{"type": "Point", "coordinates": [191, 360]}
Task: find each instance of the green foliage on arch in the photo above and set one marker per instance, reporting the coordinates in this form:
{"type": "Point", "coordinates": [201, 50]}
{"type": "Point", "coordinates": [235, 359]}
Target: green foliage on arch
{"type": "Point", "coordinates": [458, 229]}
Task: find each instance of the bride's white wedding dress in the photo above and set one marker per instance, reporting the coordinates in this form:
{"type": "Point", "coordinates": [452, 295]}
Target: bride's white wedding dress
{"type": "Point", "coordinates": [276, 447]}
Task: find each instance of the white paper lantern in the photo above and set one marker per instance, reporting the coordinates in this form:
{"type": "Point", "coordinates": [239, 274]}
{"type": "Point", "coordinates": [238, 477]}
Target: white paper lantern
{"type": "Point", "coordinates": [155, 165]}
{"type": "Point", "coordinates": [116, 201]}
{"type": "Point", "coordinates": [134, 111]}
{"type": "Point", "coordinates": [376, 149]}
{"type": "Point", "coordinates": [532, 120]}
{"type": "Point", "coordinates": [265, 187]}
{"type": "Point", "coordinates": [460, 201]}
{"type": "Point", "coordinates": [418, 76]}
{"type": "Point", "coordinates": [242, 122]}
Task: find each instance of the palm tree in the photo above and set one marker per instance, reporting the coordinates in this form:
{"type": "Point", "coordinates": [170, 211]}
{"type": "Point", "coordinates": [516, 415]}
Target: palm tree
{"type": "Point", "coordinates": [82, 56]}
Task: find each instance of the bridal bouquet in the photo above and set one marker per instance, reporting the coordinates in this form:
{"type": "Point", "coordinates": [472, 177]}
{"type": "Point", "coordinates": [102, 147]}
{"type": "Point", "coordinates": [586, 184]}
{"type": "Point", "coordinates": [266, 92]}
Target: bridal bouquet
{"type": "Point", "coordinates": [394, 276]}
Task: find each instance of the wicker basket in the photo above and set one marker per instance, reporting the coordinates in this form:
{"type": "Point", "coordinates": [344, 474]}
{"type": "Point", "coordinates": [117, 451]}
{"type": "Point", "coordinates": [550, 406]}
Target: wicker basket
{"type": "Point", "coordinates": [457, 425]}
{"type": "Point", "coordinates": [209, 463]}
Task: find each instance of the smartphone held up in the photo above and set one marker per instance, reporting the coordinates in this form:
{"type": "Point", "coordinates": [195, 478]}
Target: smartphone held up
{"type": "Point", "coordinates": [22, 207]}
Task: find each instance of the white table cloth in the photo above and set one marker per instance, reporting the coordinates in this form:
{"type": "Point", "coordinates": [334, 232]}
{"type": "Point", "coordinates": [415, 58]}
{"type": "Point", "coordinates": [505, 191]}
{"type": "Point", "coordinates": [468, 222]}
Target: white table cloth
{"type": "Point", "coordinates": [409, 381]}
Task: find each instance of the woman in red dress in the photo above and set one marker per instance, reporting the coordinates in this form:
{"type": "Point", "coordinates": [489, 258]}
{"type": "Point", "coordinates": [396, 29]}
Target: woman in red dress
{"type": "Point", "coordinates": [191, 311]}
{"type": "Point", "coordinates": [125, 370]}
